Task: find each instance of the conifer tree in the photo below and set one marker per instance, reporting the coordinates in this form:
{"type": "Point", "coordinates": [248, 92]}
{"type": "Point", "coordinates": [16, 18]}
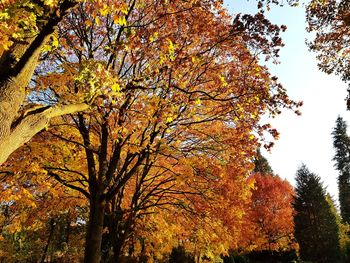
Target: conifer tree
{"type": "Point", "coordinates": [261, 164]}
{"type": "Point", "coordinates": [344, 239]}
{"type": "Point", "coordinates": [341, 143]}
{"type": "Point", "coordinates": [316, 228]}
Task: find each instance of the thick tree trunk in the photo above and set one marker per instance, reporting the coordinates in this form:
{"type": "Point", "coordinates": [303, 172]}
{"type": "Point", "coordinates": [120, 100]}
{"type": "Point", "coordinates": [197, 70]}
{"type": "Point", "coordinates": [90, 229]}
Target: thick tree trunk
{"type": "Point", "coordinates": [117, 249]}
{"type": "Point", "coordinates": [116, 236]}
{"type": "Point", "coordinates": [95, 230]}
{"type": "Point", "coordinates": [16, 69]}
{"type": "Point", "coordinates": [120, 233]}
{"type": "Point", "coordinates": [111, 239]}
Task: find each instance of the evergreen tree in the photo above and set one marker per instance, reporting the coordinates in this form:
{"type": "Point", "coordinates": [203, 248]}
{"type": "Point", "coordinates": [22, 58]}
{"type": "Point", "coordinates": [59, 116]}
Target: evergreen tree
{"type": "Point", "coordinates": [341, 143]}
{"type": "Point", "coordinates": [261, 164]}
{"type": "Point", "coordinates": [316, 228]}
{"type": "Point", "coordinates": [344, 239]}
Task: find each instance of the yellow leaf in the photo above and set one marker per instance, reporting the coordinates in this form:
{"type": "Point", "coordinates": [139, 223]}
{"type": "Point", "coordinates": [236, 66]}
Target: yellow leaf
{"type": "Point", "coordinates": [50, 3]}
{"type": "Point", "coordinates": [88, 23]}
{"type": "Point", "coordinates": [171, 50]}
{"type": "Point", "coordinates": [223, 81]}
{"type": "Point", "coordinates": [98, 21]}
{"type": "Point", "coordinates": [115, 87]}
{"type": "Point", "coordinates": [105, 10]}
{"type": "Point", "coordinates": [54, 41]}
{"type": "Point", "coordinates": [169, 119]}
{"type": "Point", "coordinates": [154, 37]}
{"type": "Point", "coordinates": [119, 20]}
{"type": "Point", "coordinates": [195, 59]}
{"type": "Point", "coordinates": [124, 8]}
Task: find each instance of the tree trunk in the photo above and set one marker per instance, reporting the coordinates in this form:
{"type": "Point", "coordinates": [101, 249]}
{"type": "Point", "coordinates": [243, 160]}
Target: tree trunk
{"type": "Point", "coordinates": [117, 250]}
{"type": "Point", "coordinates": [113, 239]}
{"type": "Point", "coordinates": [68, 228]}
{"type": "Point", "coordinates": [52, 228]}
{"type": "Point", "coordinates": [94, 230]}
{"type": "Point", "coordinates": [120, 229]}
{"type": "Point", "coordinates": [16, 70]}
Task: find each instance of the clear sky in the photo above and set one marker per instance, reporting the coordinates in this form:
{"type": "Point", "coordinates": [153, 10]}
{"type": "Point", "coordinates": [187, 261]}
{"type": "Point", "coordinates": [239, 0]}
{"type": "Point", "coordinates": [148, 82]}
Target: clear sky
{"type": "Point", "coordinates": [306, 138]}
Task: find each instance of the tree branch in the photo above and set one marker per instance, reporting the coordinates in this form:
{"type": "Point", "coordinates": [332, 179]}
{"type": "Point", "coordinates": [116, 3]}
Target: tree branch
{"type": "Point", "coordinates": [31, 125]}
{"type": "Point", "coordinates": [65, 183]}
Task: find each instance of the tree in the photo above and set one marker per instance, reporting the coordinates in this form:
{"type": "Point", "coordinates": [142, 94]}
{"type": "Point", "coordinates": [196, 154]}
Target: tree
{"type": "Point", "coordinates": [341, 143]}
{"type": "Point", "coordinates": [262, 165]}
{"type": "Point", "coordinates": [22, 42]}
{"type": "Point", "coordinates": [26, 27]}
{"type": "Point", "coordinates": [268, 223]}
{"type": "Point", "coordinates": [344, 240]}
{"type": "Point", "coordinates": [170, 105]}
{"type": "Point", "coordinates": [166, 98]}
{"type": "Point", "coordinates": [316, 228]}
{"type": "Point", "coordinates": [330, 20]}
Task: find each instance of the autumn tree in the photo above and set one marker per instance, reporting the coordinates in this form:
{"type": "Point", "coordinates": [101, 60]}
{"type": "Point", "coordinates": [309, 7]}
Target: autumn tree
{"type": "Point", "coordinates": [316, 228]}
{"type": "Point", "coordinates": [164, 99]}
{"type": "Point", "coordinates": [27, 30]}
{"type": "Point", "coordinates": [269, 222]}
{"type": "Point", "coordinates": [209, 230]}
{"type": "Point", "coordinates": [341, 143]}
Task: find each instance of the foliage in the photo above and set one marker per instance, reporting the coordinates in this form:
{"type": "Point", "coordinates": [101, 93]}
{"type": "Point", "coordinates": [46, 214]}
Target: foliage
{"type": "Point", "coordinates": [344, 240]}
{"type": "Point", "coordinates": [341, 143]}
{"type": "Point", "coordinates": [40, 218]}
{"type": "Point", "coordinates": [330, 20]}
{"type": "Point", "coordinates": [268, 223]}
{"type": "Point", "coordinates": [209, 230]}
{"type": "Point", "coordinates": [26, 30]}
{"type": "Point", "coordinates": [165, 100]}
{"type": "Point", "coordinates": [316, 227]}
{"type": "Point", "coordinates": [262, 166]}
{"type": "Point", "coordinates": [175, 93]}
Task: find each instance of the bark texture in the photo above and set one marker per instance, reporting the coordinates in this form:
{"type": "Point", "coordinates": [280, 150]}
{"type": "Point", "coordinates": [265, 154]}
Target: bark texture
{"type": "Point", "coordinates": [16, 70]}
{"type": "Point", "coordinates": [14, 137]}
{"type": "Point", "coordinates": [94, 230]}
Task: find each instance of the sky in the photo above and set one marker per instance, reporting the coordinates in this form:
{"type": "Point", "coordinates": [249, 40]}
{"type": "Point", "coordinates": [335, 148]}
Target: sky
{"type": "Point", "coordinates": [307, 138]}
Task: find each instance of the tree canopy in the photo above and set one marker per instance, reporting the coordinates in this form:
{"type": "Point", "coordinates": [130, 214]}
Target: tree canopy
{"type": "Point", "coordinates": [136, 124]}
{"type": "Point", "coordinates": [316, 228]}
{"type": "Point", "coordinates": [341, 143]}
{"type": "Point", "coordinates": [330, 21]}
{"type": "Point", "coordinates": [161, 98]}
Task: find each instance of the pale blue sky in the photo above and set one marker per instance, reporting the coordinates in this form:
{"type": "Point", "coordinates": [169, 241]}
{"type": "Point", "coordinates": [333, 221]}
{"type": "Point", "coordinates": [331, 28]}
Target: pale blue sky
{"type": "Point", "coordinates": [305, 138]}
